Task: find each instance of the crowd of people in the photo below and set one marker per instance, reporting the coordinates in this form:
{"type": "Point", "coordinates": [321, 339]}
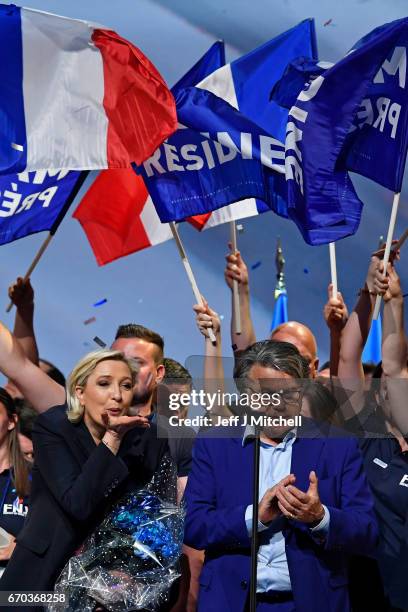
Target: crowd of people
{"type": "Point", "coordinates": [333, 510]}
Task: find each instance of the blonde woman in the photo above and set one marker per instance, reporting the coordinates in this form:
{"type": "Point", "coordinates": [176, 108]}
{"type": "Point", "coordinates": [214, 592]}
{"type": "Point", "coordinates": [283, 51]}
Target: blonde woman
{"type": "Point", "coordinates": [87, 454]}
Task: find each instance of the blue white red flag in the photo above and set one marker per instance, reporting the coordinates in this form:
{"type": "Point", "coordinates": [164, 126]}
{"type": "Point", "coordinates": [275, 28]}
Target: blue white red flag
{"type": "Point", "coordinates": [76, 96]}
{"type": "Point", "coordinates": [228, 119]}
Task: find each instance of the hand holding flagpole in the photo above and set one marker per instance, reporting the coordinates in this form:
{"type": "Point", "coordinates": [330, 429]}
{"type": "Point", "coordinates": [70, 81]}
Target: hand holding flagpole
{"type": "Point", "coordinates": [388, 246]}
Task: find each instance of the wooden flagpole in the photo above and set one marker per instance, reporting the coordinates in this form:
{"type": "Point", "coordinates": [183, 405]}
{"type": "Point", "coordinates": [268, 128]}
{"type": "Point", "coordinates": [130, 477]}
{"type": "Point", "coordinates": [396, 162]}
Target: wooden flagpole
{"type": "Point", "coordinates": [388, 245]}
{"type": "Point", "coordinates": [333, 268]}
{"type": "Point", "coordinates": [189, 273]}
{"type": "Point", "coordinates": [236, 310]}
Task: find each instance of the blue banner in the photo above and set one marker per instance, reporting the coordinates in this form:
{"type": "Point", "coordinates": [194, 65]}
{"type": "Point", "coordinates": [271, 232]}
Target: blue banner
{"type": "Point", "coordinates": [33, 202]}
{"type": "Point", "coordinates": [321, 197]}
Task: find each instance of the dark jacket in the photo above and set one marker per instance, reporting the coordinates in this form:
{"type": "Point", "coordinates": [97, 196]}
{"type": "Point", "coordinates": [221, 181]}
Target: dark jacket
{"type": "Point", "coordinates": [74, 482]}
{"type": "Point", "coordinates": [219, 489]}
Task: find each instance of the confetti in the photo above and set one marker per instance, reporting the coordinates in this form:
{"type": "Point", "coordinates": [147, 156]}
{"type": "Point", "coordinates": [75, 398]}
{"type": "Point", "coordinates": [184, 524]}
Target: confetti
{"type": "Point", "coordinates": [86, 344]}
{"type": "Point", "coordinates": [140, 300]}
{"type": "Point", "coordinates": [101, 302]}
{"type": "Point", "coordinates": [91, 320]}
{"type": "Point", "coordinates": [240, 228]}
{"type": "Point", "coordinates": [99, 342]}
{"type": "Point", "coordinates": [327, 23]}
{"type": "Point", "coordinates": [256, 265]}
{"type": "Point", "coordinates": [306, 270]}
{"type": "Point", "coordinates": [222, 317]}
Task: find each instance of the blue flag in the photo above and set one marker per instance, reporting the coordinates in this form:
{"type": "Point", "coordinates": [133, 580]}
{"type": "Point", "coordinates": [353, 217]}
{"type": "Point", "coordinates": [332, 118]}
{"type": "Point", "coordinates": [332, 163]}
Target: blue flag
{"type": "Point", "coordinates": [280, 310]}
{"type": "Point", "coordinates": [320, 195]}
{"type": "Point", "coordinates": [372, 348]}
{"type": "Point", "coordinates": [210, 61]}
{"type": "Point", "coordinates": [376, 145]}
{"type": "Point", "coordinates": [216, 159]}
{"type": "Point", "coordinates": [33, 202]}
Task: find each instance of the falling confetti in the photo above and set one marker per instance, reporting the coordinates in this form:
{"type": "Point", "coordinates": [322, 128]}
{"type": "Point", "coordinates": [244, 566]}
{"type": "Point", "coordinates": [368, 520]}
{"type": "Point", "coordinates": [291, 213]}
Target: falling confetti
{"type": "Point", "coordinates": [100, 303]}
{"type": "Point", "coordinates": [99, 342]}
{"type": "Point", "coordinates": [91, 320]}
{"type": "Point", "coordinates": [222, 317]}
{"type": "Point", "coordinates": [140, 300]}
{"type": "Point", "coordinates": [327, 23]}
{"type": "Point", "coordinates": [256, 265]}
{"type": "Point", "coordinates": [306, 270]}
{"type": "Point", "coordinates": [240, 228]}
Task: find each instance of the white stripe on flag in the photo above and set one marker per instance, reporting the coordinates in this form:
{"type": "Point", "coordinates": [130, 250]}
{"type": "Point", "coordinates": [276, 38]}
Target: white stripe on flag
{"type": "Point", "coordinates": [156, 230]}
{"type": "Point", "coordinates": [221, 84]}
{"type": "Point", "coordinates": [63, 88]}
{"type": "Point", "coordinates": [233, 212]}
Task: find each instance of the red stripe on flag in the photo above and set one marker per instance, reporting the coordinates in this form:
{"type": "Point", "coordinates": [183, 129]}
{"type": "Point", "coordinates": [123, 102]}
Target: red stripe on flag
{"type": "Point", "coordinates": [139, 106]}
{"type": "Point", "coordinates": [199, 221]}
{"type": "Point", "coordinates": [110, 215]}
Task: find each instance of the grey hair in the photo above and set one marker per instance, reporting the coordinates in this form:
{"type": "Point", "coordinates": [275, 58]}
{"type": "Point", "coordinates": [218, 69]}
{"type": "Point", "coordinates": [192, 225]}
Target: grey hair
{"type": "Point", "coordinates": [281, 356]}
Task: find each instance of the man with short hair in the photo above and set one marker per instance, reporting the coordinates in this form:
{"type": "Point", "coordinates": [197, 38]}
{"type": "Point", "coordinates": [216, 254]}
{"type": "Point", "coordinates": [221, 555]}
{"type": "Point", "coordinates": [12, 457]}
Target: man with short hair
{"type": "Point", "coordinates": [315, 507]}
{"type": "Point", "coordinates": [294, 332]}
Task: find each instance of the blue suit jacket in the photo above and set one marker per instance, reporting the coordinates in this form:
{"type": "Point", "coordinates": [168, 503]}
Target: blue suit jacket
{"type": "Point", "coordinates": [220, 488]}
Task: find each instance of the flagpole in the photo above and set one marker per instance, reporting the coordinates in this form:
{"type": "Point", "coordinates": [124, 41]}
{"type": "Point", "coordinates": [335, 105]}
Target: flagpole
{"type": "Point", "coordinates": [57, 223]}
{"type": "Point", "coordinates": [34, 263]}
{"type": "Point", "coordinates": [190, 274]}
{"type": "Point", "coordinates": [236, 312]}
{"type": "Point", "coordinates": [388, 244]}
{"type": "Point", "coordinates": [333, 268]}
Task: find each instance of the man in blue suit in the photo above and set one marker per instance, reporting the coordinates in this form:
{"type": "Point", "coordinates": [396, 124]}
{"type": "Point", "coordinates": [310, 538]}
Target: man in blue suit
{"type": "Point", "coordinates": [315, 506]}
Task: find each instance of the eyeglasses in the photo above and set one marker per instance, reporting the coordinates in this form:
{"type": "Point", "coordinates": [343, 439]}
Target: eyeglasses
{"type": "Point", "coordinates": [290, 396]}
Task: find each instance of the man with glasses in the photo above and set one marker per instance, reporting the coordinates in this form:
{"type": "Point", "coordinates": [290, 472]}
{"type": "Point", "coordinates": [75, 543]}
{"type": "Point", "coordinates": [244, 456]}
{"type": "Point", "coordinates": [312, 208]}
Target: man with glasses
{"type": "Point", "coordinates": [315, 506]}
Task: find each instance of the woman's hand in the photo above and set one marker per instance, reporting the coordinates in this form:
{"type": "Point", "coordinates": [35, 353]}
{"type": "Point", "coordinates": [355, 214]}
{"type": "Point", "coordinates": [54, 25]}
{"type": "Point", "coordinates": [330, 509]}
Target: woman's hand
{"type": "Point", "coordinates": [118, 426]}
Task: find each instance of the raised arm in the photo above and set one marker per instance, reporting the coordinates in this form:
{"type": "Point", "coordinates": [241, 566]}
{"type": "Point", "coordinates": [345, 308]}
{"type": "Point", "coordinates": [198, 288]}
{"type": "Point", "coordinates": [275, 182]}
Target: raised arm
{"type": "Point", "coordinates": [394, 347]}
{"type": "Point", "coordinates": [213, 366]}
{"type": "Point", "coordinates": [22, 295]}
{"type": "Point", "coordinates": [237, 270]}
{"type": "Point", "coordinates": [336, 316]}
{"type": "Point", "coordinates": [353, 339]}
{"type": "Point", "coordinates": [37, 388]}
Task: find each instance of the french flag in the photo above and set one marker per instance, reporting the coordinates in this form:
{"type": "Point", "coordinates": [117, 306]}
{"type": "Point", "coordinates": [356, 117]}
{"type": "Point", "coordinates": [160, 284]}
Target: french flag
{"type": "Point", "coordinates": [76, 96]}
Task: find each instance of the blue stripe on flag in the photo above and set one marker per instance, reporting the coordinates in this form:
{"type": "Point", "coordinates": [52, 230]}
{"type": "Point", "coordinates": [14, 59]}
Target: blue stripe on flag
{"type": "Point", "coordinates": [13, 145]}
{"type": "Point", "coordinates": [280, 310]}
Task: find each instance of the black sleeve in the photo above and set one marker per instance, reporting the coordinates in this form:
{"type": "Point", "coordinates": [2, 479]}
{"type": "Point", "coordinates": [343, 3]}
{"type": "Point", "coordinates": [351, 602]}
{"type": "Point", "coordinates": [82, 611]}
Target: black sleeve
{"type": "Point", "coordinates": [181, 450]}
{"type": "Point", "coordinates": [78, 490]}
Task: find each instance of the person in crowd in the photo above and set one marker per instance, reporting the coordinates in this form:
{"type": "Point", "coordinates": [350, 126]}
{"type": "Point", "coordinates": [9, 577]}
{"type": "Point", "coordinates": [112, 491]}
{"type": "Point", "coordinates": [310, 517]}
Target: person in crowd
{"type": "Point", "coordinates": [178, 380]}
{"type": "Point", "coordinates": [87, 453]}
{"type": "Point", "coordinates": [381, 421]}
{"type": "Point", "coordinates": [14, 479]}
{"type": "Point", "coordinates": [315, 506]}
{"type": "Point", "coordinates": [294, 332]}
{"type": "Point", "coordinates": [336, 315]}
{"type": "Point", "coordinates": [25, 423]}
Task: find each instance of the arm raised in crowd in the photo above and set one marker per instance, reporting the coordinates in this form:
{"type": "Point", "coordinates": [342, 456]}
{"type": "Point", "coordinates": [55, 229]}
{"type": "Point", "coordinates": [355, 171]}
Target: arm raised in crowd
{"type": "Point", "coordinates": [237, 270]}
{"type": "Point", "coordinates": [336, 316]}
{"type": "Point", "coordinates": [37, 388]}
{"type": "Point", "coordinates": [213, 366]}
{"type": "Point", "coordinates": [22, 295]}
{"type": "Point", "coordinates": [353, 339]}
{"type": "Point", "coordinates": [394, 346]}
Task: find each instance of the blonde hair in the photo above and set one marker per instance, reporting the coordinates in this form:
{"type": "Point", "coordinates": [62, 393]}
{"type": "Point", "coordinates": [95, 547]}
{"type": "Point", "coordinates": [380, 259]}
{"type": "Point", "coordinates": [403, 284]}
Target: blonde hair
{"type": "Point", "coordinates": [82, 371]}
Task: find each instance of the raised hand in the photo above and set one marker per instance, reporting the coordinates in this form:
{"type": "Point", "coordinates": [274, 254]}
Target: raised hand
{"type": "Point", "coordinates": [236, 269]}
{"type": "Point", "coordinates": [21, 293]}
{"type": "Point", "coordinates": [335, 311]}
{"type": "Point", "coordinates": [207, 318]}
